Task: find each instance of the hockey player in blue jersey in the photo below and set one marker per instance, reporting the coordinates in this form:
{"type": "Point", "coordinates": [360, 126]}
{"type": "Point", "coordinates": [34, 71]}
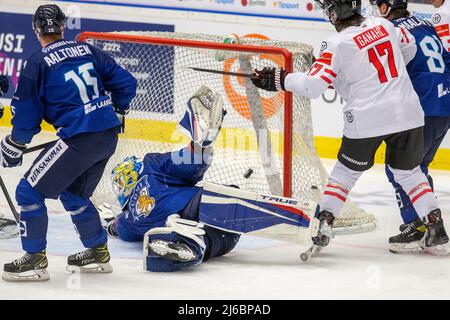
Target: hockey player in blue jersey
{"type": "Point", "coordinates": [430, 74]}
{"type": "Point", "coordinates": [66, 84]}
{"type": "Point", "coordinates": [180, 223]}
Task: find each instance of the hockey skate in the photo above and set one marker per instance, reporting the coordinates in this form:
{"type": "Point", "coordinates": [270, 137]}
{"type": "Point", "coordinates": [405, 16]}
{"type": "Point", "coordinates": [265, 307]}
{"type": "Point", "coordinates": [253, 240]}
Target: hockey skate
{"type": "Point", "coordinates": [436, 238]}
{"type": "Point", "coordinates": [321, 231]}
{"type": "Point", "coordinates": [95, 260]}
{"type": "Point", "coordinates": [410, 240]}
{"type": "Point", "coordinates": [31, 267]}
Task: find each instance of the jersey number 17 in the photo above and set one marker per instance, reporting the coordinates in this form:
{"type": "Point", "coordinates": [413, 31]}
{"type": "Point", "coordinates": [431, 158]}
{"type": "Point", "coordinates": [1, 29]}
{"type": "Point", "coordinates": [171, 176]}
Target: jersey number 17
{"type": "Point", "coordinates": [378, 51]}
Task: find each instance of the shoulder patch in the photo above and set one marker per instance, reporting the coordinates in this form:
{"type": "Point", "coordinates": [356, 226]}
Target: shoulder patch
{"type": "Point", "coordinates": [436, 18]}
{"type": "Point", "coordinates": [323, 46]}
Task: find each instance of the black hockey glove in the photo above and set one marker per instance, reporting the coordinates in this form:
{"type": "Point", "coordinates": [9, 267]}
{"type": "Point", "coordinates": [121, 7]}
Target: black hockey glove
{"type": "Point", "coordinates": [270, 79]}
{"type": "Point", "coordinates": [121, 113]}
{"type": "Point", "coordinates": [12, 152]}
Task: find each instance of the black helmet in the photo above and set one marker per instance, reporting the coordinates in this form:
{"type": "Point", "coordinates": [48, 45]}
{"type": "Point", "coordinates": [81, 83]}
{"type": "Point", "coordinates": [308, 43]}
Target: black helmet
{"type": "Point", "coordinates": [48, 19]}
{"type": "Point", "coordinates": [392, 4]}
{"type": "Point", "coordinates": [338, 10]}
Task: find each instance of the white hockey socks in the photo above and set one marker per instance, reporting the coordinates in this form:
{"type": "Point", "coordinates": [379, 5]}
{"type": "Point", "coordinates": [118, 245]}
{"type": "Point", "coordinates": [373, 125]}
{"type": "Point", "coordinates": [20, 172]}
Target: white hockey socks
{"type": "Point", "coordinates": [341, 182]}
{"type": "Point", "coordinates": [416, 185]}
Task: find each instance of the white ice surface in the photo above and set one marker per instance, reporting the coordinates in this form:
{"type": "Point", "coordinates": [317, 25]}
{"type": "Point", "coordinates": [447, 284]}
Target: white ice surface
{"type": "Point", "coordinates": [356, 266]}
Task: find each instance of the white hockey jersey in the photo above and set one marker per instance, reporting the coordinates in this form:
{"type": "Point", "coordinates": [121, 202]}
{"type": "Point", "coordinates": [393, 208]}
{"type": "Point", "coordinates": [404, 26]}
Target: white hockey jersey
{"type": "Point", "coordinates": [366, 65]}
{"type": "Point", "coordinates": [441, 21]}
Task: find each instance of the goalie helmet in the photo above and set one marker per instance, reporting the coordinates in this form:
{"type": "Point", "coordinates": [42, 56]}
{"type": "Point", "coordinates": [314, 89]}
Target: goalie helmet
{"type": "Point", "coordinates": [392, 5]}
{"type": "Point", "coordinates": [338, 10]}
{"type": "Point", "coordinates": [125, 175]}
{"type": "Point", "coordinates": [48, 19]}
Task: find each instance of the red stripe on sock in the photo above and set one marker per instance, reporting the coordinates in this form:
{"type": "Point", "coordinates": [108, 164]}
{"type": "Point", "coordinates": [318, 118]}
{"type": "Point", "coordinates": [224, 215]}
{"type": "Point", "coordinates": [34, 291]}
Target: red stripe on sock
{"type": "Point", "coordinates": [420, 195]}
{"type": "Point", "coordinates": [335, 186]}
{"type": "Point", "coordinates": [334, 194]}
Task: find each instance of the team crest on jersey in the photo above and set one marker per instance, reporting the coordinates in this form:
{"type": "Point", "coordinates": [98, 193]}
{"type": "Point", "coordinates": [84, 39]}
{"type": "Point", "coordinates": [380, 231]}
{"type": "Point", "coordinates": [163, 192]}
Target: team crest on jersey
{"type": "Point", "coordinates": [436, 18]}
{"type": "Point", "coordinates": [323, 46]}
{"type": "Point", "coordinates": [141, 204]}
{"type": "Point", "coordinates": [349, 116]}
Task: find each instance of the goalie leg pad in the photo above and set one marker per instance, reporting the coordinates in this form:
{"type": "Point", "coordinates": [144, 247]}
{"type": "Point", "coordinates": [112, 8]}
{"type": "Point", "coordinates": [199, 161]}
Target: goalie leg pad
{"type": "Point", "coordinates": [239, 211]}
{"type": "Point", "coordinates": [181, 244]}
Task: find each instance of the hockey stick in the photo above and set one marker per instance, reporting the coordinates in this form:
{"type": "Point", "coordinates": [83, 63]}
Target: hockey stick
{"type": "Point", "coordinates": [235, 74]}
{"type": "Point", "coordinates": [5, 190]}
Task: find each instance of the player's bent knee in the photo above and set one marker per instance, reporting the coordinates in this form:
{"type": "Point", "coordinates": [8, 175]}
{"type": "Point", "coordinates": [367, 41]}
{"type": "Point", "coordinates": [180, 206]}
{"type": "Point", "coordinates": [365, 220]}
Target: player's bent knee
{"type": "Point", "coordinates": [27, 196]}
{"type": "Point", "coordinates": [179, 245]}
{"type": "Point", "coordinates": [72, 202]}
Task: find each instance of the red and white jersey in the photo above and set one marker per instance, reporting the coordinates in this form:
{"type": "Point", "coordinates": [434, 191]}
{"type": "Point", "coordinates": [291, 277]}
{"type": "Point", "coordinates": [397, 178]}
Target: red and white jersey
{"type": "Point", "coordinates": [366, 65]}
{"type": "Point", "coordinates": [441, 21]}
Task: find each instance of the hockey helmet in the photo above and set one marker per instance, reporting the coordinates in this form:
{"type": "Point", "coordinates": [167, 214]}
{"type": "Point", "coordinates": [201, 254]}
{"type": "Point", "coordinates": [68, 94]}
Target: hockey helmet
{"type": "Point", "coordinates": [125, 176]}
{"type": "Point", "coordinates": [392, 4]}
{"type": "Point", "coordinates": [48, 19]}
{"type": "Point", "coordinates": [338, 10]}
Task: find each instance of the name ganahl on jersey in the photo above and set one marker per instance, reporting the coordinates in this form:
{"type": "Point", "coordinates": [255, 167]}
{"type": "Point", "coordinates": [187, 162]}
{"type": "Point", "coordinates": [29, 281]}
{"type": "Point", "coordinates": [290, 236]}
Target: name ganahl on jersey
{"type": "Point", "coordinates": [141, 204]}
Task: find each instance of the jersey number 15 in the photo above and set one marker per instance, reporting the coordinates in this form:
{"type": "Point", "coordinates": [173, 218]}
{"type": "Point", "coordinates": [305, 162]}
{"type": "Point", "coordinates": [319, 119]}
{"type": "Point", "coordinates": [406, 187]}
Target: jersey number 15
{"type": "Point", "coordinates": [82, 80]}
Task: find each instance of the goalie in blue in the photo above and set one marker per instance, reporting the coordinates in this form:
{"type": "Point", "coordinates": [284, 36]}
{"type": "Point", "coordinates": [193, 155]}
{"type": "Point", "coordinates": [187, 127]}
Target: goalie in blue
{"type": "Point", "coordinates": [180, 223]}
{"type": "Point", "coordinates": [66, 84]}
{"type": "Point", "coordinates": [430, 74]}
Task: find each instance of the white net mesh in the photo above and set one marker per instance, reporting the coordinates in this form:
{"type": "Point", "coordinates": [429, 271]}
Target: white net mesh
{"type": "Point", "coordinates": [165, 85]}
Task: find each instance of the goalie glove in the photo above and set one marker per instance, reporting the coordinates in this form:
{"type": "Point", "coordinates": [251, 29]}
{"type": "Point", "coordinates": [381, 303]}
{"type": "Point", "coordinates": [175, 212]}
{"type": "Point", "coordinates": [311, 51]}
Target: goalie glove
{"type": "Point", "coordinates": [270, 79]}
{"type": "Point", "coordinates": [11, 152]}
{"type": "Point", "coordinates": [204, 116]}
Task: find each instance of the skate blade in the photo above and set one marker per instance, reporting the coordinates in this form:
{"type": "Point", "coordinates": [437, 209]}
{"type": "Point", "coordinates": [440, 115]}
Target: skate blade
{"type": "Point", "coordinates": [28, 276]}
{"type": "Point", "coordinates": [162, 249]}
{"type": "Point", "coordinates": [415, 247]}
{"type": "Point", "coordinates": [91, 268]}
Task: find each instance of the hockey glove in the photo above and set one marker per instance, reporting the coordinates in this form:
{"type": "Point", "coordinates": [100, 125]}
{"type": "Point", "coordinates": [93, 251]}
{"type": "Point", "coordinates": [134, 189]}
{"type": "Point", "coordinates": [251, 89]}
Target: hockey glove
{"type": "Point", "coordinates": [270, 79]}
{"type": "Point", "coordinates": [121, 113]}
{"type": "Point", "coordinates": [12, 152]}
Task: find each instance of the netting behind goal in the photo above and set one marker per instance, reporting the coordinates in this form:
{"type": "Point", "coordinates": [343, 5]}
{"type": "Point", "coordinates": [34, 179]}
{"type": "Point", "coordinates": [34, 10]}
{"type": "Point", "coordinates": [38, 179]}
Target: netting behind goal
{"type": "Point", "coordinates": [267, 134]}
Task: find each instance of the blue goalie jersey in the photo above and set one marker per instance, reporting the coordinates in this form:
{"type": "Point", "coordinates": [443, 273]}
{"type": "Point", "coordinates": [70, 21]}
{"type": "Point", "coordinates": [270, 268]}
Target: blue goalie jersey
{"type": "Point", "coordinates": [429, 70]}
{"type": "Point", "coordinates": [163, 188]}
{"type": "Point", "coordinates": [66, 84]}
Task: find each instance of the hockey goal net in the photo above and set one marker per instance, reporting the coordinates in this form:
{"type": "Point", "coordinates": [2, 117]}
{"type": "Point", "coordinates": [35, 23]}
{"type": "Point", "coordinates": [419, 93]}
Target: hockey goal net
{"type": "Point", "coordinates": [266, 144]}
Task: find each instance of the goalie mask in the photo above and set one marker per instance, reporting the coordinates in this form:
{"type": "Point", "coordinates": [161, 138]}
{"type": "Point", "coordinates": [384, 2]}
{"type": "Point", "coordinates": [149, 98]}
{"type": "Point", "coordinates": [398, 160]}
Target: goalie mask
{"type": "Point", "coordinates": [48, 19]}
{"type": "Point", "coordinates": [338, 10]}
{"type": "Point", "coordinates": [124, 178]}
